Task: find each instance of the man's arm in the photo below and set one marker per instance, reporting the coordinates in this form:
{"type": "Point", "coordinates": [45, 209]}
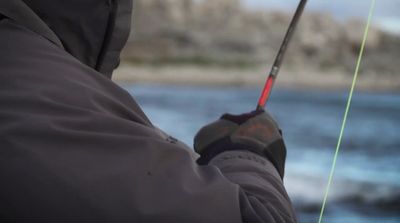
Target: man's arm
{"type": "Point", "coordinates": [75, 147]}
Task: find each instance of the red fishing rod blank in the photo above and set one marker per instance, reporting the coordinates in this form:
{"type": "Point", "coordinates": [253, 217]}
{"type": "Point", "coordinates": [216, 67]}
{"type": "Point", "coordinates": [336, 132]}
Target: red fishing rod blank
{"type": "Point", "coordinates": [279, 58]}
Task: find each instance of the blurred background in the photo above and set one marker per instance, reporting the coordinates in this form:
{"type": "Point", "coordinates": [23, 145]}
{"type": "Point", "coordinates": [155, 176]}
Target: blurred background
{"type": "Point", "coordinates": [189, 61]}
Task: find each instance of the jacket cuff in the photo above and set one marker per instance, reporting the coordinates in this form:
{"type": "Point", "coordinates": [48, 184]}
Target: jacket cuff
{"type": "Point", "coordinates": [242, 160]}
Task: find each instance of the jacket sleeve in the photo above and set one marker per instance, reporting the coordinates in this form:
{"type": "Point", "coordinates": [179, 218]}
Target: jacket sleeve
{"type": "Point", "coordinates": [262, 195]}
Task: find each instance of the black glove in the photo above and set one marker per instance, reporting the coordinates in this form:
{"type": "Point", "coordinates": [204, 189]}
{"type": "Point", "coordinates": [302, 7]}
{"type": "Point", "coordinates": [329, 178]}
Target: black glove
{"type": "Point", "coordinates": [256, 132]}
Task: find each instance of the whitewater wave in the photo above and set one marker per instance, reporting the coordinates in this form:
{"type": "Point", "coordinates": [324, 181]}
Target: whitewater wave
{"type": "Point", "coordinates": [307, 193]}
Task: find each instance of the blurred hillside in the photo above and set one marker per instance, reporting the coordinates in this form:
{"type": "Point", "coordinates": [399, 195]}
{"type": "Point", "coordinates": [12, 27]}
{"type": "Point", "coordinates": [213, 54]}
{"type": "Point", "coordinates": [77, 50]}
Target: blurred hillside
{"type": "Point", "coordinates": [227, 34]}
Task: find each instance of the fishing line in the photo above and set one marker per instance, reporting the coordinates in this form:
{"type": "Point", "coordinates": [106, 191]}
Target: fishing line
{"type": "Point", "coordinates": [349, 100]}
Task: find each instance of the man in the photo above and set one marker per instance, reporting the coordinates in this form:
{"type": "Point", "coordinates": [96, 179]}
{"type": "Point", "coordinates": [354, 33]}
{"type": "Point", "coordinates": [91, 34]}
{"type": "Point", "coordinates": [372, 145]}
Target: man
{"type": "Point", "coordinates": [75, 147]}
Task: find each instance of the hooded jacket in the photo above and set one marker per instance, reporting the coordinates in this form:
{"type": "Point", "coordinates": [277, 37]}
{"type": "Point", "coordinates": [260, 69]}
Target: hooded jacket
{"type": "Point", "coordinates": [75, 147]}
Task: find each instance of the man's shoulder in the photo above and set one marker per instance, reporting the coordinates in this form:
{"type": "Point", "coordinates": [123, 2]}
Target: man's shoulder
{"type": "Point", "coordinates": [34, 72]}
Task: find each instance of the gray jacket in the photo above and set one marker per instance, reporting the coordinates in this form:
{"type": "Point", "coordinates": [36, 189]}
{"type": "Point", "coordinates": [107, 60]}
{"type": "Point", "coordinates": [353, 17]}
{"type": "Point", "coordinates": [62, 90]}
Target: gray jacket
{"type": "Point", "coordinates": [75, 147]}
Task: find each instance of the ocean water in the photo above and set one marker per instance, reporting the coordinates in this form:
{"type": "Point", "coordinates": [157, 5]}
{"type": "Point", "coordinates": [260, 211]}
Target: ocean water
{"type": "Point", "coordinates": [366, 187]}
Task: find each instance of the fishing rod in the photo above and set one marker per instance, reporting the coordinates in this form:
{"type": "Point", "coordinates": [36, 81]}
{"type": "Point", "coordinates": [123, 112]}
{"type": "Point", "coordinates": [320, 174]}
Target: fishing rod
{"type": "Point", "coordinates": [279, 58]}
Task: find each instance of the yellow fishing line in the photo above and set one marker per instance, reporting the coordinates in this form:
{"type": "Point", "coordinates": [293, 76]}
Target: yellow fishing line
{"type": "Point", "coordinates": [328, 187]}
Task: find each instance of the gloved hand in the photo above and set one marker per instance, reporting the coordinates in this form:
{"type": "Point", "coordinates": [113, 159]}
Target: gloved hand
{"type": "Point", "coordinates": [256, 132]}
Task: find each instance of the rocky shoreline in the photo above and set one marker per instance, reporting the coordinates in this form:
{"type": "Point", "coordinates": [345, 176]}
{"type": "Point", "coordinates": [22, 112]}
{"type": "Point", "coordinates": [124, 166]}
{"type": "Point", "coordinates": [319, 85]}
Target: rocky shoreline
{"type": "Point", "coordinates": [223, 43]}
{"type": "Point", "coordinates": [227, 32]}
{"type": "Point", "coordinates": [218, 76]}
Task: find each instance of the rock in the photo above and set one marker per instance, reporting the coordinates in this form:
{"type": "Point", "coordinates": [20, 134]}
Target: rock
{"type": "Point", "coordinates": [355, 30]}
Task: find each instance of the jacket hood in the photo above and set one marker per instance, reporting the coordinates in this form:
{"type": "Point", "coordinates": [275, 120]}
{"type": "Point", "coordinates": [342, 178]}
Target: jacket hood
{"type": "Point", "coordinates": [93, 31]}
